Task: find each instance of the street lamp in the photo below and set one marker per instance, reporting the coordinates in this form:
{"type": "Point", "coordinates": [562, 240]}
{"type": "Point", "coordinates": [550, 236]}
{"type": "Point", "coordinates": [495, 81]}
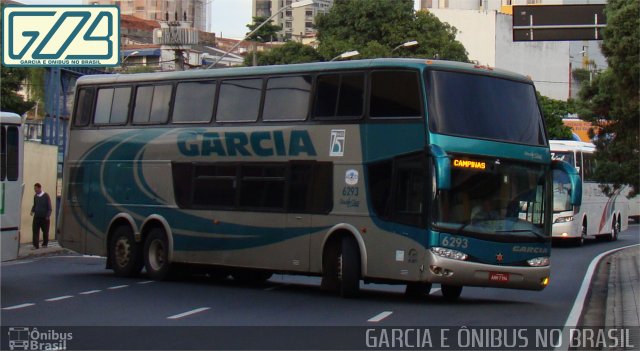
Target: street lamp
{"type": "Point", "coordinates": [126, 57]}
{"type": "Point", "coordinates": [293, 5]}
{"type": "Point", "coordinates": [405, 45]}
{"type": "Point", "coordinates": [345, 55]}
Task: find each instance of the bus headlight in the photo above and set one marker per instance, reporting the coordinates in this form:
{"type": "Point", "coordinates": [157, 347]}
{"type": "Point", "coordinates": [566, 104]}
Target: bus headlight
{"type": "Point", "coordinates": [539, 262]}
{"type": "Point", "coordinates": [448, 253]}
{"type": "Point", "coordinates": [564, 219]}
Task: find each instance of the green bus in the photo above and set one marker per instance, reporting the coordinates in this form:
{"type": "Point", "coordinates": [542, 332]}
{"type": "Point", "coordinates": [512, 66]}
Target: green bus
{"type": "Point", "coordinates": [400, 171]}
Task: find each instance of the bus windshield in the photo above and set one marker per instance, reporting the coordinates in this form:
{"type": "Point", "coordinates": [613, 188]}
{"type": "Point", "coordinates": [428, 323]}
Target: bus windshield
{"type": "Point", "coordinates": [476, 106]}
{"type": "Point", "coordinates": [561, 192]}
{"type": "Point", "coordinates": [499, 200]}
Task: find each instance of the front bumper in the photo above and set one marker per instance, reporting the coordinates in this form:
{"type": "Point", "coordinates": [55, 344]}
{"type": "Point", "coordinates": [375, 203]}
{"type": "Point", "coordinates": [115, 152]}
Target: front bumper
{"type": "Point", "coordinates": [480, 274]}
{"type": "Point", "coordinates": [564, 230]}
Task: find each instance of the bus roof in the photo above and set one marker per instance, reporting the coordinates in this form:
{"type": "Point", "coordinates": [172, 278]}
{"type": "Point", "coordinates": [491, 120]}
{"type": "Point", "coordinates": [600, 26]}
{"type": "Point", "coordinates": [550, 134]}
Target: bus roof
{"type": "Point", "coordinates": [301, 68]}
{"type": "Point", "coordinates": [10, 118]}
{"type": "Point", "coordinates": [570, 145]}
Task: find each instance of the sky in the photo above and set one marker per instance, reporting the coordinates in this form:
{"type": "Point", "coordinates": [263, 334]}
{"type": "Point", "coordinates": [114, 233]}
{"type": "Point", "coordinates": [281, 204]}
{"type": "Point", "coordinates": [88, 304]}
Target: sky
{"type": "Point", "coordinates": [229, 17]}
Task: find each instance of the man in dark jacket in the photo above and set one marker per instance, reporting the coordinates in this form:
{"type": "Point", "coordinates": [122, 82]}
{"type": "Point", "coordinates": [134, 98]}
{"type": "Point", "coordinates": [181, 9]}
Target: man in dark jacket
{"type": "Point", "coordinates": [41, 212]}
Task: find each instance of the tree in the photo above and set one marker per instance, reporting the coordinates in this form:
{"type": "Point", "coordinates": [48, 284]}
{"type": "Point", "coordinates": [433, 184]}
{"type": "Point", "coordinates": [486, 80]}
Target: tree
{"type": "Point", "coordinates": [11, 80]}
{"type": "Point", "coordinates": [553, 112]}
{"type": "Point", "coordinates": [375, 28]}
{"type": "Point", "coordinates": [291, 52]}
{"type": "Point", "coordinates": [611, 100]}
{"type": "Point", "coordinates": [266, 33]}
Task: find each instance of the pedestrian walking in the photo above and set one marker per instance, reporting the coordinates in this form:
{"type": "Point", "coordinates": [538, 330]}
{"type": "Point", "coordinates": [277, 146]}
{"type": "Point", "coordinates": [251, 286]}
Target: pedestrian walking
{"type": "Point", "coordinates": [41, 212]}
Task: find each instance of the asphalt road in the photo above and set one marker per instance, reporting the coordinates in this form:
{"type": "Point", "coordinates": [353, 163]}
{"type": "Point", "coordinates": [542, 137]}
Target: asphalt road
{"type": "Point", "coordinates": [78, 291]}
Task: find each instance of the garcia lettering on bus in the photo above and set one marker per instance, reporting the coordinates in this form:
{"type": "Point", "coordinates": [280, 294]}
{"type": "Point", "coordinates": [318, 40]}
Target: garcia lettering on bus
{"type": "Point", "coordinates": [259, 143]}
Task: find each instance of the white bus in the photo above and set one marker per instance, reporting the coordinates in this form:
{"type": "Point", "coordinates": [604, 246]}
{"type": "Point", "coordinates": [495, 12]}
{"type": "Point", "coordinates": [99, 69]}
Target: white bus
{"type": "Point", "coordinates": [599, 215]}
{"type": "Point", "coordinates": [12, 187]}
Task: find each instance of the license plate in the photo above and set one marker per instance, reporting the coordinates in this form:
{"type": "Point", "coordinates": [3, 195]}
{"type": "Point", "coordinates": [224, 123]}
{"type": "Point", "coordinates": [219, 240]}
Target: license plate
{"type": "Point", "coordinates": [498, 277]}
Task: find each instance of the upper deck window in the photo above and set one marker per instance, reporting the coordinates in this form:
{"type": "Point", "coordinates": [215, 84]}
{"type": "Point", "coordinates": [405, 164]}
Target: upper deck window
{"type": "Point", "coordinates": [287, 99]}
{"type": "Point", "coordinates": [84, 107]}
{"type": "Point", "coordinates": [194, 102]}
{"type": "Point", "coordinates": [152, 104]}
{"type": "Point", "coordinates": [339, 96]}
{"type": "Point", "coordinates": [239, 100]}
{"type": "Point", "coordinates": [112, 106]}
{"type": "Point", "coordinates": [395, 94]}
{"type": "Point", "coordinates": [477, 106]}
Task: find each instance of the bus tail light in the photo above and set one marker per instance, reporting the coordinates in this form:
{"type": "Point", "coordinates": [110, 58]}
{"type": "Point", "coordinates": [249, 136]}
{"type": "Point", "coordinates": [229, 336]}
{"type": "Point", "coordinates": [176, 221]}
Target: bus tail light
{"type": "Point", "coordinates": [539, 262]}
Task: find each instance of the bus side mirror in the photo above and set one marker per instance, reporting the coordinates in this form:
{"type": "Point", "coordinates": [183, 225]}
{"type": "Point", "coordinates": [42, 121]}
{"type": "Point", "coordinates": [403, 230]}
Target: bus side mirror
{"type": "Point", "coordinates": [442, 165]}
{"type": "Point", "coordinates": [574, 179]}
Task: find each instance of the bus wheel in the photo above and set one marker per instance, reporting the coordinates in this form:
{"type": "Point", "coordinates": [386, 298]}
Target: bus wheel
{"type": "Point", "coordinates": [252, 277]}
{"type": "Point", "coordinates": [451, 292]}
{"type": "Point", "coordinates": [349, 268]}
{"type": "Point", "coordinates": [417, 290]}
{"type": "Point", "coordinates": [583, 235]}
{"type": "Point", "coordinates": [156, 255]}
{"type": "Point", "coordinates": [124, 252]}
{"type": "Point", "coordinates": [615, 230]}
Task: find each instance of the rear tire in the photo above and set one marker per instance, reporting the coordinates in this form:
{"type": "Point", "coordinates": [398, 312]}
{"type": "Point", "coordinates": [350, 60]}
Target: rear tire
{"type": "Point", "coordinates": [451, 292]}
{"type": "Point", "coordinates": [156, 255]}
{"type": "Point", "coordinates": [349, 271]}
{"type": "Point", "coordinates": [124, 252]}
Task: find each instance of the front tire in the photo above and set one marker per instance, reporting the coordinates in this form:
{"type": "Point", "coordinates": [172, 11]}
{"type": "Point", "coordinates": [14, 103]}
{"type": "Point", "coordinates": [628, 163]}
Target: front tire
{"type": "Point", "coordinates": [417, 290]}
{"type": "Point", "coordinates": [451, 292]}
{"type": "Point", "coordinates": [156, 255]}
{"type": "Point", "coordinates": [615, 230]}
{"type": "Point", "coordinates": [583, 234]}
{"type": "Point", "coordinates": [124, 253]}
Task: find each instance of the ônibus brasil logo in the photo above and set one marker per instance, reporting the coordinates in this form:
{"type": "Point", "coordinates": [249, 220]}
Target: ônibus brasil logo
{"type": "Point", "coordinates": [60, 35]}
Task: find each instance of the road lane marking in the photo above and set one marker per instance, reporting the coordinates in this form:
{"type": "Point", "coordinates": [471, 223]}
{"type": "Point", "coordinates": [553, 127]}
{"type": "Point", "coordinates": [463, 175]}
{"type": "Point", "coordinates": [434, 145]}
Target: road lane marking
{"type": "Point", "coordinates": [18, 306]}
{"type": "Point", "coordinates": [90, 292]}
{"type": "Point", "coordinates": [188, 313]}
{"type": "Point", "coordinates": [578, 305]}
{"type": "Point", "coordinates": [147, 282]}
{"type": "Point", "coordinates": [59, 298]}
{"type": "Point", "coordinates": [380, 317]}
{"type": "Point", "coordinates": [117, 287]}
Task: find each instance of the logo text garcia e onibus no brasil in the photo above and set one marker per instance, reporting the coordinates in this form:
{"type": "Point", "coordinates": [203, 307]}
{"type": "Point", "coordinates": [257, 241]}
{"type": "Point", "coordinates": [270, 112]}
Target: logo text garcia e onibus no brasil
{"type": "Point", "coordinates": [60, 35]}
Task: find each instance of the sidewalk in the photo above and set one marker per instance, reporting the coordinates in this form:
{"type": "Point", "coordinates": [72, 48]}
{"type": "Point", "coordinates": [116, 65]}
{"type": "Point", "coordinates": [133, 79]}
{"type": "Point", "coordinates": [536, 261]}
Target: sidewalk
{"type": "Point", "coordinates": [27, 250]}
{"type": "Point", "coordinates": [623, 297]}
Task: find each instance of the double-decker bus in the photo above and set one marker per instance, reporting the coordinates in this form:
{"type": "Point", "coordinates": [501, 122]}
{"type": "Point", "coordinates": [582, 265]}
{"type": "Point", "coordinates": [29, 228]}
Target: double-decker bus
{"type": "Point", "coordinates": [599, 215]}
{"type": "Point", "coordinates": [11, 186]}
{"type": "Point", "coordinates": [401, 171]}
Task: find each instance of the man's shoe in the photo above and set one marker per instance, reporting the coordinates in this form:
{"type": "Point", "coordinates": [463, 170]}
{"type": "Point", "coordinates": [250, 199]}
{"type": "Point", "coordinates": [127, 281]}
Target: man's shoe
{"type": "Point", "coordinates": [34, 248]}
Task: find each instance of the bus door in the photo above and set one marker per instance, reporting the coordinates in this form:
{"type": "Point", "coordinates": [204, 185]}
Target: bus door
{"type": "Point", "coordinates": [79, 210]}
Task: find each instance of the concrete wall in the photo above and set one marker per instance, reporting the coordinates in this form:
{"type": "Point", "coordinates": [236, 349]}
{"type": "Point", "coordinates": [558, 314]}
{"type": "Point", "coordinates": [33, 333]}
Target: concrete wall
{"type": "Point", "coordinates": [476, 31]}
{"type": "Point", "coordinates": [546, 62]}
{"type": "Point", "coordinates": [40, 166]}
{"type": "Point", "coordinates": [487, 36]}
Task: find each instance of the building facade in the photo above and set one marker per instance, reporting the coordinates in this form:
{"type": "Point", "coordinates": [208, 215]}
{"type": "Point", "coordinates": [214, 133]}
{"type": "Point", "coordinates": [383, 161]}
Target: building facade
{"type": "Point", "coordinates": [194, 12]}
{"type": "Point", "coordinates": [296, 23]}
{"type": "Point", "coordinates": [485, 29]}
